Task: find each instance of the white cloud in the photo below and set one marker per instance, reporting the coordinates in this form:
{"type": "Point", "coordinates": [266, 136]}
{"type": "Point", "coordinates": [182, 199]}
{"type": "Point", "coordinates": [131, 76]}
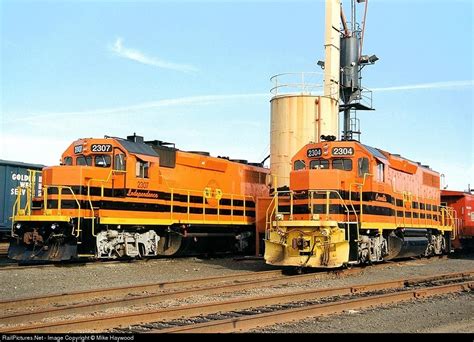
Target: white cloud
{"type": "Point", "coordinates": [140, 57]}
{"type": "Point", "coordinates": [434, 85]}
{"type": "Point", "coordinates": [181, 101]}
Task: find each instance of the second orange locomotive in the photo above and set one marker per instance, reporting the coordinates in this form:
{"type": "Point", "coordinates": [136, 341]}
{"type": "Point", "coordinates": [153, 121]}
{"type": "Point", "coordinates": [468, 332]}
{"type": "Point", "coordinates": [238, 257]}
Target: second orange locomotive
{"type": "Point", "coordinates": [116, 197]}
{"type": "Point", "coordinates": [350, 203]}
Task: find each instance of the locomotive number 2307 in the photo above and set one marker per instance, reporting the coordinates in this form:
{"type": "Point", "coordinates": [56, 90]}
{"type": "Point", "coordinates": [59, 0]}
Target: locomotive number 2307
{"type": "Point", "coordinates": [101, 148]}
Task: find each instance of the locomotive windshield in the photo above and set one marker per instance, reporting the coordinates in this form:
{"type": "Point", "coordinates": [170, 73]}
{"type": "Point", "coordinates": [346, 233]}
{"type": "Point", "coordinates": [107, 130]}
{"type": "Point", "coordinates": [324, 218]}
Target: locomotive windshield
{"type": "Point", "coordinates": [319, 164]}
{"type": "Point", "coordinates": [102, 160]}
{"type": "Point", "coordinates": [84, 160]}
{"type": "Point", "coordinates": [67, 161]}
{"type": "Point", "coordinates": [342, 164]}
{"type": "Point", "coordinates": [323, 164]}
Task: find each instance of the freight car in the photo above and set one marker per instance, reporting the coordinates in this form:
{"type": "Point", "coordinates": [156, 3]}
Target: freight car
{"type": "Point", "coordinates": [14, 179]}
{"type": "Point", "coordinates": [114, 198]}
{"type": "Point", "coordinates": [349, 203]}
{"type": "Point", "coordinates": [463, 204]}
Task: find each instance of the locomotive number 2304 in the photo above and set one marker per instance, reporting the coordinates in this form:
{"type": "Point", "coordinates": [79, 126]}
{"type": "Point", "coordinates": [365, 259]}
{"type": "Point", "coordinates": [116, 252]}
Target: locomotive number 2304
{"type": "Point", "coordinates": [342, 151]}
{"type": "Point", "coordinates": [314, 153]}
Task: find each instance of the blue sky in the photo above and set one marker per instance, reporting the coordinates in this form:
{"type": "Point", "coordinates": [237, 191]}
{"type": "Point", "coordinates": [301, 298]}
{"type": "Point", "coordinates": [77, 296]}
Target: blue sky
{"type": "Point", "coordinates": [197, 73]}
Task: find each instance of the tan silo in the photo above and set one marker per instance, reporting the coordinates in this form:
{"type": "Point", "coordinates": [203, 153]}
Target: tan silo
{"type": "Point", "coordinates": [298, 116]}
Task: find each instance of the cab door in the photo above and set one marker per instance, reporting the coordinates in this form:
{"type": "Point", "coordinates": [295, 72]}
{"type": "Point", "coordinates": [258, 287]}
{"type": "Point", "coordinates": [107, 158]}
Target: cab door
{"type": "Point", "coordinates": [119, 173]}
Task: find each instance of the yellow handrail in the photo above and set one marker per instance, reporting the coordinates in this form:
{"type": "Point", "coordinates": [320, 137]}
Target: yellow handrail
{"type": "Point", "coordinates": [204, 202]}
{"type": "Point", "coordinates": [448, 219]}
{"type": "Point", "coordinates": [60, 189]}
{"type": "Point", "coordinates": [16, 209]}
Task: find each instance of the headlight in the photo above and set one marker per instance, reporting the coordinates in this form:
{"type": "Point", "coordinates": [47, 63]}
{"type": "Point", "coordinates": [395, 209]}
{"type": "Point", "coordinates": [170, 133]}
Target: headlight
{"type": "Point", "coordinates": [54, 226]}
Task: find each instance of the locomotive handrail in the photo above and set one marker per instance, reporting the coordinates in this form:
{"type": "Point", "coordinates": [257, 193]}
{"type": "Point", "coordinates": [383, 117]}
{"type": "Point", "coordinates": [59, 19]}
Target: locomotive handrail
{"type": "Point", "coordinates": [15, 210]}
{"type": "Point", "coordinates": [17, 204]}
{"type": "Point", "coordinates": [218, 197]}
{"type": "Point", "coordinates": [328, 193]}
{"type": "Point", "coordinates": [111, 172]}
{"type": "Point", "coordinates": [204, 203]}
{"type": "Point", "coordinates": [448, 218]}
{"type": "Point", "coordinates": [424, 199]}
{"type": "Point", "coordinates": [274, 201]}
{"type": "Point", "coordinates": [29, 191]}
{"type": "Point", "coordinates": [103, 181]}
{"type": "Point", "coordinates": [268, 218]}
{"type": "Point", "coordinates": [361, 213]}
{"type": "Point", "coordinates": [291, 193]}
{"type": "Point", "coordinates": [60, 189]}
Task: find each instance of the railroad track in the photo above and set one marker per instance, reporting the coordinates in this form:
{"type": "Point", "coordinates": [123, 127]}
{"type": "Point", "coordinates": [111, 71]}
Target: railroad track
{"type": "Point", "coordinates": [207, 284]}
{"type": "Point", "coordinates": [14, 266]}
{"type": "Point", "coordinates": [28, 321]}
{"type": "Point", "coordinates": [265, 316]}
{"type": "Point", "coordinates": [35, 308]}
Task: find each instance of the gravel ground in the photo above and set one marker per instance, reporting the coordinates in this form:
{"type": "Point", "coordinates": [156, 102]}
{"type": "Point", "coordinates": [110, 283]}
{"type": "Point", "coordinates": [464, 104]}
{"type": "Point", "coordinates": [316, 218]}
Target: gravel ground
{"type": "Point", "coordinates": [76, 277]}
{"type": "Point", "coordinates": [446, 310]}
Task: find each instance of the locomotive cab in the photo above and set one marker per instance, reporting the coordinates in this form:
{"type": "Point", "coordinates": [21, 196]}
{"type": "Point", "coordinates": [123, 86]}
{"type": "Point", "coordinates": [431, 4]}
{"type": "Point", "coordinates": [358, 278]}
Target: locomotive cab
{"type": "Point", "coordinates": [329, 166]}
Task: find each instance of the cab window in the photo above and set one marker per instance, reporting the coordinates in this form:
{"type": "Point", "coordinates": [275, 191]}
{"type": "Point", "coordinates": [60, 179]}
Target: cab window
{"type": "Point", "coordinates": [119, 162]}
{"type": "Point", "coordinates": [342, 164]}
{"type": "Point", "coordinates": [380, 172]}
{"type": "Point", "coordinates": [84, 160]}
{"type": "Point", "coordinates": [102, 160]}
{"type": "Point", "coordinates": [67, 161]}
{"type": "Point", "coordinates": [363, 166]}
{"type": "Point", "coordinates": [299, 165]}
{"type": "Point", "coordinates": [319, 164]}
{"type": "Point", "coordinates": [142, 169]}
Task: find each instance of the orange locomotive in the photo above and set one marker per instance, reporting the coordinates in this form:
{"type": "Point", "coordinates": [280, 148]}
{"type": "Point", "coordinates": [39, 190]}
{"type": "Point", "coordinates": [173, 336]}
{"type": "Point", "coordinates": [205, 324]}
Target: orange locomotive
{"type": "Point", "coordinates": [349, 203]}
{"type": "Point", "coordinates": [117, 197]}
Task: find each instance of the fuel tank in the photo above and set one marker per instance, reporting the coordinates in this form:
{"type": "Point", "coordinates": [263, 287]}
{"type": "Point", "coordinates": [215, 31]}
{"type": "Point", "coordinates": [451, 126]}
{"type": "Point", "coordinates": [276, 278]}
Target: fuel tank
{"type": "Point", "coordinates": [407, 243]}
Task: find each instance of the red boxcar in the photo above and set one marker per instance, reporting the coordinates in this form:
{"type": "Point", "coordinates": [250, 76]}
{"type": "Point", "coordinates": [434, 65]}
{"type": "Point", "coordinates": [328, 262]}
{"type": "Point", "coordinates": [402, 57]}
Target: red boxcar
{"type": "Point", "coordinates": [463, 204]}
